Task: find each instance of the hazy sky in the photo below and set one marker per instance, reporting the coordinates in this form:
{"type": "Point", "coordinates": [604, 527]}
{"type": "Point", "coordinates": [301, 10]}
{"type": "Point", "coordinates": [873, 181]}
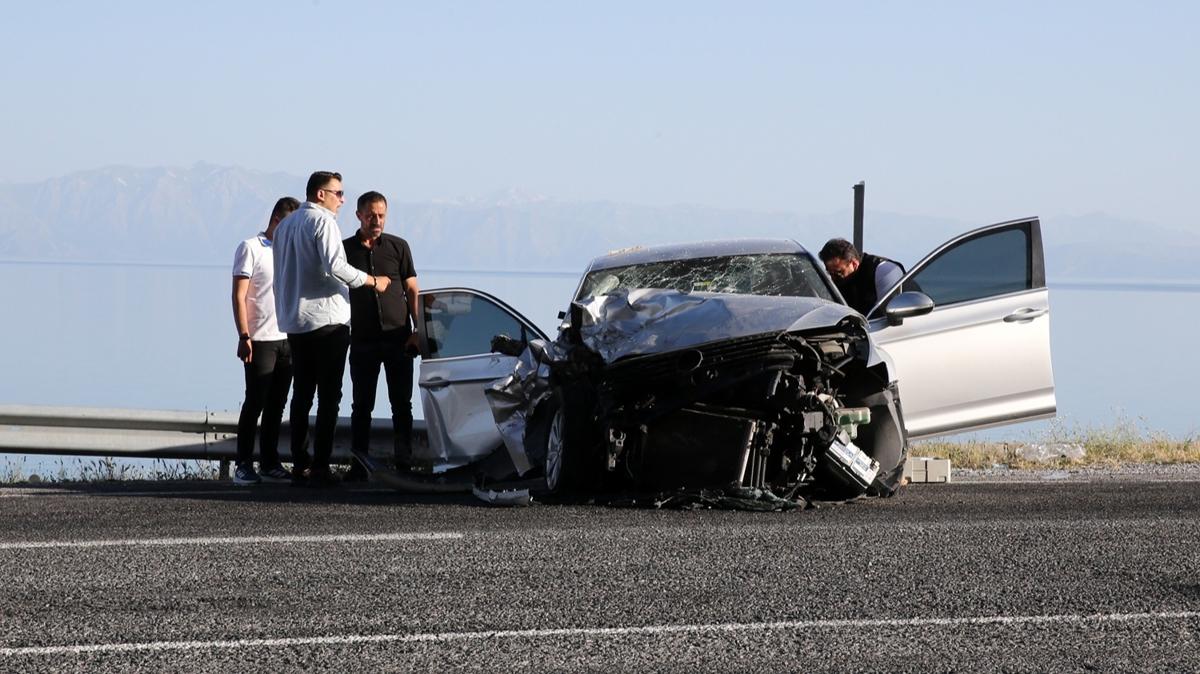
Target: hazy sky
{"type": "Point", "coordinates": [978, 111]}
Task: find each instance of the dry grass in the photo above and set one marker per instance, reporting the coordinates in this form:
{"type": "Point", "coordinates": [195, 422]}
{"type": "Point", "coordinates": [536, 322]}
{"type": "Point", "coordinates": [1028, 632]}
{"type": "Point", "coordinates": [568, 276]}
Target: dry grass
{"type": "Point", "coordinates": [12, 471]}
{"type": "Point", "coordinates": [1125, 442]}
{"type": "Point", "coordinates": [106, 469]}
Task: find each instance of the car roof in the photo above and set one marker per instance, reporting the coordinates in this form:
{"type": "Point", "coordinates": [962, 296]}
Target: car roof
{"type": "Point", "coordinates": [697, 249]}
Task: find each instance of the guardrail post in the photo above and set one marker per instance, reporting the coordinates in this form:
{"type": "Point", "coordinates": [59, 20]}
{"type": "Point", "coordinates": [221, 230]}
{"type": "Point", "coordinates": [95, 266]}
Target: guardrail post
{"type": "Point", "coordinates": [859, 194]}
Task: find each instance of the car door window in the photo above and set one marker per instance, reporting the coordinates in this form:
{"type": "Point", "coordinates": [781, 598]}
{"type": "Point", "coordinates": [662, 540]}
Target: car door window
{"type": "Point", "coordinates": [989, 265]}
{"type": "Point", "coordinates": [463, 324]}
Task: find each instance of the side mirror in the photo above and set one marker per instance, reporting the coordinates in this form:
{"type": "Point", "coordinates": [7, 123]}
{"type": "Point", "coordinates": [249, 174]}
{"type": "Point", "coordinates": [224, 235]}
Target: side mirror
{"type": "Point", "coordinates": [907, 305]}
{"type": "Point", "coordinates": [505, 345]}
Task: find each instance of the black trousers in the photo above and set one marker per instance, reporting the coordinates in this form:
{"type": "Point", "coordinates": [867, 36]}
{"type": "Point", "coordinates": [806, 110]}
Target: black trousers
{"type": "Point", "coordinates": [367, 355]}
{"type": "Point", "coordinates": [268, 378]}
{"type": "Point", "coordinates": [318, 363]}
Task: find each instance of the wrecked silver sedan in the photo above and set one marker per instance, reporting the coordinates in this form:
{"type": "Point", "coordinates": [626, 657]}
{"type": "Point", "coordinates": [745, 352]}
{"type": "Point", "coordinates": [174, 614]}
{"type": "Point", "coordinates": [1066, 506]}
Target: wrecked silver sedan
{"type": "Point", "coordinates": [735, 366]}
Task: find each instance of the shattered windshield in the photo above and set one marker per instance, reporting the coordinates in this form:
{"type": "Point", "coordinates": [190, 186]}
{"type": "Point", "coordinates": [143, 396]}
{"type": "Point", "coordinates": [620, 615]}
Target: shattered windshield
{"type": "Point", "coordinates": [769, 274]}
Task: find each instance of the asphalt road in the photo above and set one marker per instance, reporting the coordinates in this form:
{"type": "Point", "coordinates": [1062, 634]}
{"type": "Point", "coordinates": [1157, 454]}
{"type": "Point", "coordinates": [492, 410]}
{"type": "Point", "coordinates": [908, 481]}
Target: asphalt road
{"type": "Point", "coordinates": [1036, 576]}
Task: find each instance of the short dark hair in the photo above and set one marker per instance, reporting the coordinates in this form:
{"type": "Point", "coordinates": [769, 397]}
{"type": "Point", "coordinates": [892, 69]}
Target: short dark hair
{"type": "Point", "coordinates": [369, 198]}
{"type": "Point", "coordinates": [284, 207]}
{"type": "Point", "coordinates": [317, 181]}
{"type": "Point", "coordinates": [838, 248]}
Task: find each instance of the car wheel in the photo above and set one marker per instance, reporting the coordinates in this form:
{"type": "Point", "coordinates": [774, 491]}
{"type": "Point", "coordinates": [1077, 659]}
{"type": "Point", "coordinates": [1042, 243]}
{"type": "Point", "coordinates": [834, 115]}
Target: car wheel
{"type": "Point", "coordinates": [547, 444]}
{"type": "Point", "coordinates": [557, 439]}
{"type": "Point", "coordinates": [555, 450]}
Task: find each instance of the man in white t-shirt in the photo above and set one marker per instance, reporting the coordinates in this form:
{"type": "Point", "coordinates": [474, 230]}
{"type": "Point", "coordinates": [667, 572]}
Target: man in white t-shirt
{"type": "Point", "coordinates": [264, 352]}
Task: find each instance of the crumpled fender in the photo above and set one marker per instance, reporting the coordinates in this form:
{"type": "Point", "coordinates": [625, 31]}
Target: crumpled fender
{"type": "Point", "coordinates": [514, 397]}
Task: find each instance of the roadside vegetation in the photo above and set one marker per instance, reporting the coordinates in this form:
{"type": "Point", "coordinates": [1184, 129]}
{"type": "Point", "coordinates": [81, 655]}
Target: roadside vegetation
{"type": "Point", "coordinates": [1064, 445]}
{"type": "Point", "coordinates": [104, 469]}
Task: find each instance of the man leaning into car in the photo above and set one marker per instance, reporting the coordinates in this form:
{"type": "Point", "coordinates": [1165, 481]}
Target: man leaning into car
{"type": "Point", "coordinates": [380, 332]}
{"type": "Point", "coordinates": [862, 279]}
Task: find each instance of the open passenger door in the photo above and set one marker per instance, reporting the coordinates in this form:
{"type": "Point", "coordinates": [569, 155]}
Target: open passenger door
{"type": "Point", "coordinates": [981, 356]}
{"type": "Point", "coordinates": [456, 327]}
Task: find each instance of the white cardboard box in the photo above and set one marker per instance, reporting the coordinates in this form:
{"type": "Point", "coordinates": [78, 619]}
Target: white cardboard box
{"type": "Point", "coordinates": [927, 469]}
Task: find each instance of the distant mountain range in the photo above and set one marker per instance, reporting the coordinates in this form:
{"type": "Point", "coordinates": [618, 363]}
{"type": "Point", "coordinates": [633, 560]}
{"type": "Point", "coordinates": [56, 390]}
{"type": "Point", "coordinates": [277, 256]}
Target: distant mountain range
{"type": "Point", "coordinates": [197, 215]}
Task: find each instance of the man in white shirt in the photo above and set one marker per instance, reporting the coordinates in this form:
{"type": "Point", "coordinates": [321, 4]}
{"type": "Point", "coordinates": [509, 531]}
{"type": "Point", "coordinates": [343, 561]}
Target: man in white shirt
{"type": "Point", "coordinates": [264, 353]}
{"type": "Point", "coordinates": [312, 281]}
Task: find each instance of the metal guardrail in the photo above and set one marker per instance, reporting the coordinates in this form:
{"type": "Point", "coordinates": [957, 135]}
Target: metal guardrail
{"type": "Point", "coordinates": [159, 434]}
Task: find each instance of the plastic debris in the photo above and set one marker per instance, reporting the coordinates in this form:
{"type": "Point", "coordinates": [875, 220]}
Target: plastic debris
{"type": "Point", "coordinates": [507, 497]}
{"type": "Point", "coordinates": [1051, 451]}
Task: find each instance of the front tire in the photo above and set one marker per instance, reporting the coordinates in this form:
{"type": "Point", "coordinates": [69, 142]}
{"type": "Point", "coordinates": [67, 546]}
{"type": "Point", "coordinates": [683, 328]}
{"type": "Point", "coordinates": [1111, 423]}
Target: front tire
{"type": "Point", "coordinates": [555, 450]}
{"type": "Point", "coordinates": [557, 438]}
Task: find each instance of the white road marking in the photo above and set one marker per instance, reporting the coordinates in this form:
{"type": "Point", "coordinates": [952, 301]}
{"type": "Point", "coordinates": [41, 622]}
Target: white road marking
{"type": "Point", "coordinates": [443, 637]}
{"type": "Point", "coordinates": [926, 529]}
{"type": "Point", "coordinates": [234, 540]}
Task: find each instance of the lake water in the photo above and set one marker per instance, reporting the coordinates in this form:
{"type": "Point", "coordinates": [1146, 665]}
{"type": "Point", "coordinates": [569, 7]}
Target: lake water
{"type": "Point", "coordinates": [162, 337]}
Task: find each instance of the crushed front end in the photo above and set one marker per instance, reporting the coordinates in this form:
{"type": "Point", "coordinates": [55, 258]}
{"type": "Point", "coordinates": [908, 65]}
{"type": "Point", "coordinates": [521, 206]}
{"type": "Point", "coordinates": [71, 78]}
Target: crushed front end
{"type": "Point", "coordinates": [666, 390]}
{"type": "Point", "coordinates": [781, 412]}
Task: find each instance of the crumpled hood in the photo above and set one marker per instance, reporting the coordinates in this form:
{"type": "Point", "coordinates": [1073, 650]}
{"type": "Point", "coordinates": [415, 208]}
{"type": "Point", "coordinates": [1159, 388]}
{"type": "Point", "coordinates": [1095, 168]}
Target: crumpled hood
{"type": "Point", "coordinates": [652, 320]}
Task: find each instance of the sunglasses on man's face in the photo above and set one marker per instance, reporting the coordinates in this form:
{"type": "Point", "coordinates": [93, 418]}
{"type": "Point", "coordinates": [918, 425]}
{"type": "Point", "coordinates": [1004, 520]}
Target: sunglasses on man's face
{"type": "Point", "coordinates": [340, 194]}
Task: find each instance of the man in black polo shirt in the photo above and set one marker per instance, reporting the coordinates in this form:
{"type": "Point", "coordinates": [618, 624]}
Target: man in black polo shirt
{"type": "Point", "coordinates": [380, 331]}
{"type": "Point", "coordinates": [862, 279]}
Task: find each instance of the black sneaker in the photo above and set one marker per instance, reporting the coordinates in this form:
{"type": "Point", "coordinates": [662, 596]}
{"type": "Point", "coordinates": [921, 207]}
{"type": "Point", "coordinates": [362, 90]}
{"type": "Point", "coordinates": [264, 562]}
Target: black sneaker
{"type": "Point", "coordinates": [244, 475]}
{"type": "Point", "coordinates": [276, 474]}
{"type": "Point", "coordinates": [299, 477]}
{"type": "Point", "coordinates": [356, 473]}
{"type": "Point", "coordinates": [322, 478]}
{"type": "Point", "coordinates": [402, 461]}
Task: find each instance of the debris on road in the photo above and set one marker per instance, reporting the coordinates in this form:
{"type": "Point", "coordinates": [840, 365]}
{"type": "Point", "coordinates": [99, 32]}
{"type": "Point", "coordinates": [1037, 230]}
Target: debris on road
{"type": "Point", "coordinates": [926, 469]}
{"type": "Point", "coordinates": [506, 497]}
{"type": "Point", "coordinates": [1051, 451]}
